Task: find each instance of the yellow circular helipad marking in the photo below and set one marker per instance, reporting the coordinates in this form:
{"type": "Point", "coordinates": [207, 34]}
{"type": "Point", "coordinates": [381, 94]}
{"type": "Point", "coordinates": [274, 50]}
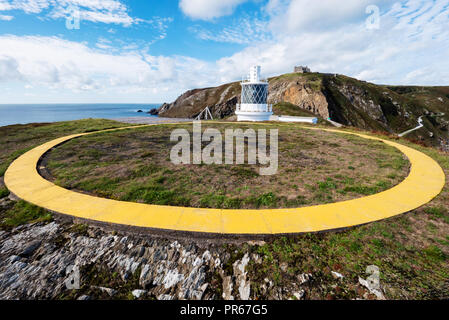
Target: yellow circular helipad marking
{"type": "Point", "coordinates": [425, 181]}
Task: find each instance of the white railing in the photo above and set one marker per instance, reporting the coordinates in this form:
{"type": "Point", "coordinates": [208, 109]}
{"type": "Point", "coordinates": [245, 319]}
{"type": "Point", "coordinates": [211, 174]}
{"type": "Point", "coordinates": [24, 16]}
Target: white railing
{"type": "Point", "coordinates": [269, 108]}
{"type": "Point", "coordinates": [248, 80]}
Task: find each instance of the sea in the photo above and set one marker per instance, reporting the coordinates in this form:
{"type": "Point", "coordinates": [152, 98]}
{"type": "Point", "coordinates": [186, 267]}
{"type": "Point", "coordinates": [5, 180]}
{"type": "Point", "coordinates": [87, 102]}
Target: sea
{"type": "Point", "coordinates": [29, 113]}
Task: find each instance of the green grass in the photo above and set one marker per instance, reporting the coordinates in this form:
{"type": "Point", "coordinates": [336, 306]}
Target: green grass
{"type": "Point", "coordinates": [434, 254]}
{"type": "Point", "coordinates": [329, 184]}
{"type": "Point", "coordinates": [23, 213]}
{"type": "Point", "coordinates": [96, 275]}
{"type": "Point", "coordinates": [288, 109]}
{"type": "Point", "coordinates": [439, 212]}
{"type": "Point", "coordinates": [410, 266]}
{"type": "Point", "coordinates": [4, 192]}
{"type": "Point", "coordinates": [367, 190]}
{"type": "Point", "coordinates": [411, 250]}
{"type": "Point", "coordinates": [220, 201]}
{"type": "Point", "coordinates": [267, 200]}
{"type": "Point", "coordinates": [243, 172]}
{"type": "Point", "coordinates": [398, 163]}
{"type": "Point", "coordinates": [304, 156]}
{"type": "Point", "coordinates": [155, 194]}
{"type": "Point", "coordinates": [146, 170]}
{"type": "Point", "coordinates": [79, 229]}
{"type": "Point", "coordinates": [18, 139]}
{"type": "Point", "coordinates": [10, 158]}
{"type": "Point", "coordinates": [349, 253]}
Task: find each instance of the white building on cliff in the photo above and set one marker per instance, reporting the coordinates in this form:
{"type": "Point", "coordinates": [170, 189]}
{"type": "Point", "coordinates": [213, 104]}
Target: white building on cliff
{"type": "Point", "coordinates": [254, 101]}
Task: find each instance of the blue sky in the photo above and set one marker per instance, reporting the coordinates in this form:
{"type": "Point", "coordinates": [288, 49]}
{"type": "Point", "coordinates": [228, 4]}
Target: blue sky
{"type": "Point", "coordinates": [146, 51]}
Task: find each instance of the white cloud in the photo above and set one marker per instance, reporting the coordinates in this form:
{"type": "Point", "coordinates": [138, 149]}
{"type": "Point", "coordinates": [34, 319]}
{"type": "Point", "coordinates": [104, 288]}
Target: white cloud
{"type": "Point", "coordinates": [246, 31]}
{"type": "Point", "coordinates": [5, 17]}
{"type": "Point", "coordinates": [104, 11]}
{"type": "Point", "coordinates": [29, 6]}
{"type": "Point", "coordinates": [310, 15]}
{"type": "Point", "coordinates": [9, 69]}
{"type": "Point", "coordinates": [60, 64]}
{"type": "Point", "coordinates": [208, 9]}
{"type": "Point", "coordinates": [410, 47]}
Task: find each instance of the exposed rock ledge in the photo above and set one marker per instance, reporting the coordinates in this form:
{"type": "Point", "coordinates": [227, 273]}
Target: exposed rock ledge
{"type": "Point", "coordinates": [34, 260]}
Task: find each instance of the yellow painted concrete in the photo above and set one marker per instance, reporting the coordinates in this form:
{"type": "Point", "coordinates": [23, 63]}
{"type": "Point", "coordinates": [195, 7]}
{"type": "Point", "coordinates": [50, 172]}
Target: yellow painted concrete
{"type": "Point", "coordinates": [425, 181]}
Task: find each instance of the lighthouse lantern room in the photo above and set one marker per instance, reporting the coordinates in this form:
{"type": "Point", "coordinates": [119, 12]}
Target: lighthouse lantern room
{"type": "Point", "coordinates": [254, 105]}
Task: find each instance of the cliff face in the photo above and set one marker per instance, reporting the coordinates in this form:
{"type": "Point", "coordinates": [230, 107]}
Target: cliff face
{"type": "Point", "coordinates": [343, 99]}
{"type": "Point", "coordinates": [221, 101]}
{"type": "Point", "coordinates": [299, 91]}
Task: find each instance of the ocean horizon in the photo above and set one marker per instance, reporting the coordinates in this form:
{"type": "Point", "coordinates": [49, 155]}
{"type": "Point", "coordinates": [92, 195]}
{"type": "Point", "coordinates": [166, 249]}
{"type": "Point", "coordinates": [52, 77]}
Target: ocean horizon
{"type": "Point", "coordinates": [11, 114]}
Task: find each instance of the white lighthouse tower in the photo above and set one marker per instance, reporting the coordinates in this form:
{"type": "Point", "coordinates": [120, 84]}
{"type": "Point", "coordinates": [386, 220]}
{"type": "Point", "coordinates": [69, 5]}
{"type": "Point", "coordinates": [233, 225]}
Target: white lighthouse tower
{"type": "Point", "coordinates": [254, 106]}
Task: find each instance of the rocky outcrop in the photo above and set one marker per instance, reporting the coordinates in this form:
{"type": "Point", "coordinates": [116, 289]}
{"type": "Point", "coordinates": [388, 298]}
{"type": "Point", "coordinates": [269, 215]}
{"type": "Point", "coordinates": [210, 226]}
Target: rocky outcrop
{"type": "Point", "coordinates": [53, 261]}
{"type": "Point", "coordinates": [362, 100]}
{"type": "Point", "coordinates": [62, 260]}
{"type": "Point", "coordinates": [342, 99]}
{"type": "Point", "coordinates": [153, 112]}
{"type": "Point", "coordinates": [299, 93]}
{"type": "Point", "coordinates": [65, 261]}
{"type": "Point", "coordinates": [220, 100]}
{"type": "Point", "coordinates": [34, 260]}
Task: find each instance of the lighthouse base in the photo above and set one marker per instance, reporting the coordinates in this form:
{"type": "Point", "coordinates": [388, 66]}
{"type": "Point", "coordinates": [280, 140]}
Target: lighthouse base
{"type": "Point", "coordinates": [253, 116]}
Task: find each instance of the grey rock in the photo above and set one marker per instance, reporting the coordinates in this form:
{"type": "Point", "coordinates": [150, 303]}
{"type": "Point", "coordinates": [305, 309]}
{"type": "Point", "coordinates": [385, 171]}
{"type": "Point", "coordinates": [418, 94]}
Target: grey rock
{"type": "Point", "coordinates": [111, 292]}
{"type": "Point", "coordinates": [244, 286]}
{"type": "Point", "coordinates": [29, 250]}
{"type": "Point", "coordinates": [227, 288]}
{"type": "Point", "coordinates": [299, 294]}
{"type": "Point", "coordinates": [337, 275]}
{"type": "Point", "coordinates": [304, 278]}
{"type": "Point", "coordinates": [13, 259]}
{"type": "Point", "coordinates": [284, 267]}
{"type": "Point", "coordinates": [138, 293]}
{"type": "Point", "coordinates": [141, 251]}
{"type": "Point", "coordinates": [257, 259]}
{"type": "Point", "coordinates": [168, 270]}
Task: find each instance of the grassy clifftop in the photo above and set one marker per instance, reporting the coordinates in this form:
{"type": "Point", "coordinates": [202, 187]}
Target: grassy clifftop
{"type": "Point", "coordinates": [411, 250]}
